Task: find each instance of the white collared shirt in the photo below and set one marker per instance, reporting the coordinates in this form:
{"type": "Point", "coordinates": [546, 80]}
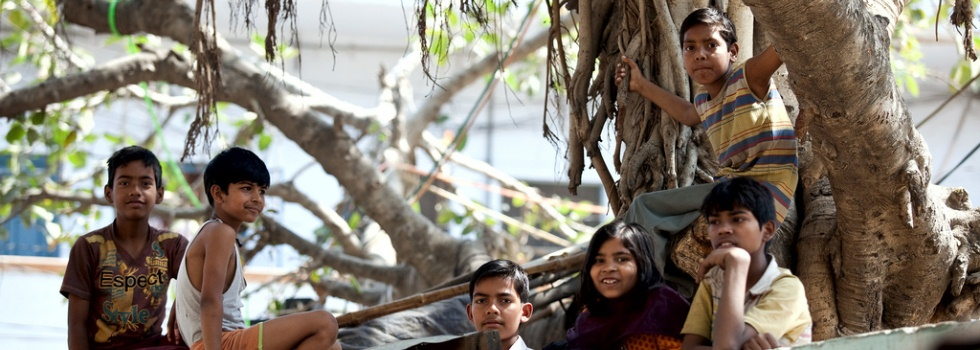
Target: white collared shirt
{"type": "Point", "coordinates": [519, 345]}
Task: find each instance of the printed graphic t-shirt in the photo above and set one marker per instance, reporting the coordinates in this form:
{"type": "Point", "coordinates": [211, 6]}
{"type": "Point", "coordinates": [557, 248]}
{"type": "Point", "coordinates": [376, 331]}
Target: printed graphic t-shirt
{"type": "Point", "coordinates": [127, 294]}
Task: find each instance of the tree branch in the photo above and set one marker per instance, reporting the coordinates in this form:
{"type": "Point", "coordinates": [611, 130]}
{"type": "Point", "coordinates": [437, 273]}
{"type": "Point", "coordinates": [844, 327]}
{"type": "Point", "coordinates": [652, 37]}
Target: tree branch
{"type": "Point", "coordinates": [507, 181]}
{"type": "Point", "coordinates": [429, 111]}
{"type": "Point", "coordinates": [144, 66]}
{"type": "Point", "coordinates": [398, 276]}
{"type": "Point", "coordinates": [280, 101]}
{"type": "Point", "coordinates": [336, 224]}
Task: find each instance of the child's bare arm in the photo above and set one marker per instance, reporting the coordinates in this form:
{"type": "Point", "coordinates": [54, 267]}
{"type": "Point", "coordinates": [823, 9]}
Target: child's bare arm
{"type": "Point", "coordinates": [77, 317]}
{"type": "Point", "coordinates": [219, 245]}
{"type": "Point", "coordinates": [695, 342]}
{"type": "Point", "coordinates": [173, 333]}
{"type": "Point", "coordinates": [730, 330]}
{"type": "Point", "coordinates": [761, 341]}
{"type": "Point", "coordinates": [759, 69]}
{"type": "Point", "coordinates": [676, 107]}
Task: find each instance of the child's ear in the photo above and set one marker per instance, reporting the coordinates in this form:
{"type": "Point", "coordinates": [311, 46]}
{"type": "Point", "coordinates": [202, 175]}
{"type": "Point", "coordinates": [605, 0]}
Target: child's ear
{"type": "Point", "coordinates": [469, 313]}
{"type": "Point", "coordinates": [526, 311]}
{"type": "Point", "coordinates": [216, 192]}
{"type": "Point", "coordinates": [107, 191]}
{"type": "Point", "coordinates": [733, 49]}
{"type": "Point", "coordinates": [768, 230]}
{"type": "Point", "coordinates": [160, 192]}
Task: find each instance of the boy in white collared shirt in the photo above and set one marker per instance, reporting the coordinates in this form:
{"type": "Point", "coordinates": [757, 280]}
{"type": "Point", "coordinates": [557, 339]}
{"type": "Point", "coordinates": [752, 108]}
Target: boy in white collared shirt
{"type": "Point", "coordinates": [498, 293]}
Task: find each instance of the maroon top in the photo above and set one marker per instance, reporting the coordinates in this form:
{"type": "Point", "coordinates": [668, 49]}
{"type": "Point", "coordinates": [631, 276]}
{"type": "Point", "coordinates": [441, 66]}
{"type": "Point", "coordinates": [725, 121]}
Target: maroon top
{"type": "Point", "coordinates": [127, 295]}
{"type": "Point", "coordinates": [663, 312]}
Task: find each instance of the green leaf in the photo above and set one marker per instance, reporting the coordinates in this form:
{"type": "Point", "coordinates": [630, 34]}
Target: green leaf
{"type": "Point", "coordinates": [14, 38]}
{"type": "Point", "coordinates": [52, 8]}
{"type": "Point", "coordinates": [264, 141]}
{"type": "Point", "coordinates": [912, 84]}
{"type": "Point", "coordinates": [468, 229]}
{"type": "Point", "coordinates": [518, 202]}
{"type": "Point", "coordinates": [513, 230]}
{"type": "Point", "coordinates": [17, 132]}
{"type": "Point", "coordinates": [70, 139]}
{"type": "Point", "coordinates": [78, 159]}
{"type": "Point", "coordinates": [37, 118]}
{"type": "Point", "coordinates": [32, 135]}
{"type": "Point", "coordinates": [491, 38]}
{"type": "Point", "coordinates": [356, 284]}
{"type": "Point", "coordinates": [462, 142]}
{"type": "Point", "coordinates": [355, 219]}
{"type": "Point", "coordinates": [18, 20]}
{"type": "Point", "coordinates": [322, 234]}
{"type": "Point", "coordinates": [444, 216]}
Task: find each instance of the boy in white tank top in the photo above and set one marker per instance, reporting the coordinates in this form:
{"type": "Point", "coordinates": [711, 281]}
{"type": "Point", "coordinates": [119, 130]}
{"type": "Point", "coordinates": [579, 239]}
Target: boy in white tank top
{"type": "Point", "coordinates": [210, 279]}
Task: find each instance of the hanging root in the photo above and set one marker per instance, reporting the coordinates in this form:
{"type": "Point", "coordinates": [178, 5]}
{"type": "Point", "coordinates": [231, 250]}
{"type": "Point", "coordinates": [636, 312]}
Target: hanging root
{"type": "Point", "coordinates": [963, 17]}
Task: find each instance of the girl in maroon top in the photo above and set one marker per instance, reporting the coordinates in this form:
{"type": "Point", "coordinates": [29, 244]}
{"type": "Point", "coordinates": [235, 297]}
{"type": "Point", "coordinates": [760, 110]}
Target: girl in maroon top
{"type": "Point", "coordinates": [627, 304]}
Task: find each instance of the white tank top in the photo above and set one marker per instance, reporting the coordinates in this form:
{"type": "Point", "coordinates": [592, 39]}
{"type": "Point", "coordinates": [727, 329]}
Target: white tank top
{"type": "Point", "coordinates": [188, 301]}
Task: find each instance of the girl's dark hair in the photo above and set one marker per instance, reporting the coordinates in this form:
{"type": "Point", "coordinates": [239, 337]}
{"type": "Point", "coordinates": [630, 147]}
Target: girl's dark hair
{"type": "Point", "coordinates": [131, 154]}
{"type": "Point", "coordinates": [234, 165]}
{"type": "Point", "coordinates": [742, 192]}
{"type": "Point", "coordinates": [711, 17]}
{"type": "Point", "coordinates": [638, 242]}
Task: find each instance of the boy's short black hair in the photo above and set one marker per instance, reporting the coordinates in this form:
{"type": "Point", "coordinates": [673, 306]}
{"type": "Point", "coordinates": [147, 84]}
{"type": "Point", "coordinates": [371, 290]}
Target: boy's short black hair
{"type": "Point", "coordinates": [503, 269]}
{"type": "Point", "coordinates": [711, 17]}
{"type": "Point", "coordinates": [635, 239]}
{"type": "Point", "coordinates": [743, 192]}
{"type": "Point", "coordinates": [130, 154]}
{"type": "Point", "coordinates": [234, 165]}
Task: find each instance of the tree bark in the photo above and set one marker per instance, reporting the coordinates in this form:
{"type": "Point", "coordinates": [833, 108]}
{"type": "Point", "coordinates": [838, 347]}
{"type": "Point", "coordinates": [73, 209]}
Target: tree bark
{"type": "Point", "coordinates": [891, 251]}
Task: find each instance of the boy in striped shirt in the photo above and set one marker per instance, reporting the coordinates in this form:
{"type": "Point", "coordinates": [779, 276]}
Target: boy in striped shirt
{"type": "Point", "coordinates": [742, 114]}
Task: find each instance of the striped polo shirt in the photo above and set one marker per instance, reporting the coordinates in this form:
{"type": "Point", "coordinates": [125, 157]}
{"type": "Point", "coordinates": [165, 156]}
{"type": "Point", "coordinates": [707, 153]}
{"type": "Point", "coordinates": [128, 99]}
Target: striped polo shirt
{"type": "Point", "coordinates": [751, 136]}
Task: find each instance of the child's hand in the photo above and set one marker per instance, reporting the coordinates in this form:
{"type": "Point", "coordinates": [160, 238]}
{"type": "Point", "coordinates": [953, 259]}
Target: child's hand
{"type": "Point", "coordinates": [173, 334]}
{"type": "Point", "coordinates": [634, 74]}
{"type": "Point", "coordinates": [761, 341]}
{"type": "Point", "coordinates": [724, 257]}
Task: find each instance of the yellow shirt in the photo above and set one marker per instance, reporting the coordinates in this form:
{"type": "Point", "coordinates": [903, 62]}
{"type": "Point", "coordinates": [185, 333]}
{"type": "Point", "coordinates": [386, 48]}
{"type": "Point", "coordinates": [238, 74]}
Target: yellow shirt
{"type": "Point", "coordinates": [776, 305]}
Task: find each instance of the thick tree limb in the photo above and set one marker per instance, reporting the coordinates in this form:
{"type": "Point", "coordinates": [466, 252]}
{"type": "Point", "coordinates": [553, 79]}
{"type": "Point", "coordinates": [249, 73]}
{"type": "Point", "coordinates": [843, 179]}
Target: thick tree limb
{"type": "Point", "coordinates": [144, 66]}
{"type": "Point", "coordinates": [398, 276]}
{"type": "Point", "coordinates": [90, 200]}
{"type": "Point", "coordinates": [886, 260]}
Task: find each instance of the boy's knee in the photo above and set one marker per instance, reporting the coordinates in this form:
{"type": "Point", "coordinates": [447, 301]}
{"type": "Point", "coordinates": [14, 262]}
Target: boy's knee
{"type": "Point", "coordinates": [325, 320]}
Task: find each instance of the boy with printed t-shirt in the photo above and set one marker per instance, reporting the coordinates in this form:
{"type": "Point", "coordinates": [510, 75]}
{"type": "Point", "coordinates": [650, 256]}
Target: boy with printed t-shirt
{"type": "Point", "coordinates": [117, 276]}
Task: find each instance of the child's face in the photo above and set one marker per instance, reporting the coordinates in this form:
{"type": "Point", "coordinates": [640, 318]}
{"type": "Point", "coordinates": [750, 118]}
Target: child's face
{"type": "Point", "coordinates": [707, 57]}
{"type": "Point", "coordinates": [739, 228]}
{"type": "Point", "coordinates": [497, 305]}
{"type": "Point", "coordinates": [614, 271]}
{"type": "Point", "coordinates": [134, 191]}
{"type": "Point", "coordinates": [244, 201]}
